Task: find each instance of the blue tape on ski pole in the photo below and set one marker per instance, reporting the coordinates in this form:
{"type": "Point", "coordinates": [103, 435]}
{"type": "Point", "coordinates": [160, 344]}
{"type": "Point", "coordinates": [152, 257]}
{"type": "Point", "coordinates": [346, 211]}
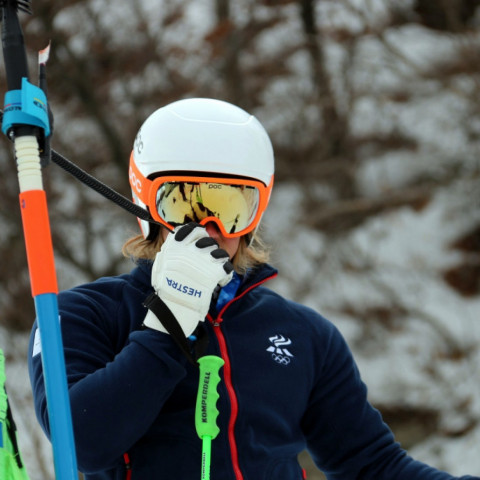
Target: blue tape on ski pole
{"type": "Point", "coordinates": [58, 401]}
{"type": "Point", "coordinates": [27, 106]}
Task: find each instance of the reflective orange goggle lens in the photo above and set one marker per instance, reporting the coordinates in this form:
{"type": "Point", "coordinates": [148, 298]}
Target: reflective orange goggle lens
{"type": "Point", "coordinates": [235, 205]}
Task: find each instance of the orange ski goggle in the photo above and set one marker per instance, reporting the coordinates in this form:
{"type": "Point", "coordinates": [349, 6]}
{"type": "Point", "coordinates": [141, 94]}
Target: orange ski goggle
{"type": "Point", "coordinates": [235, 205]}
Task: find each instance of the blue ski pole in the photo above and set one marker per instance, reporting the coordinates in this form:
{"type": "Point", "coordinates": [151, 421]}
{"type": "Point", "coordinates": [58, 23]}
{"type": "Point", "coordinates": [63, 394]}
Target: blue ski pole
{"type": "Point", "coordinates": [25, 122]}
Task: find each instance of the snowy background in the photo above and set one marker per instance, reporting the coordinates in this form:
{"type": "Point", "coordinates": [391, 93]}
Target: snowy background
{"type": "Point", "coordinates": [375, 216]}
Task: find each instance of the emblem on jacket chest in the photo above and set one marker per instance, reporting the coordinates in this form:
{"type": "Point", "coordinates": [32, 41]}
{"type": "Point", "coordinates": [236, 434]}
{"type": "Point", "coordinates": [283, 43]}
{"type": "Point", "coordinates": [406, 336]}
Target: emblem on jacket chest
{"type": "Point", "coordinates": [279, 350]}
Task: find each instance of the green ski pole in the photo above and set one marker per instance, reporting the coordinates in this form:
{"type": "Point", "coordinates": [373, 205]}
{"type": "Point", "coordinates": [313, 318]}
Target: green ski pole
{"type": "Point", "coordinates": [206, 408]}
{"type": "Point", "coordinates": [11, 464]}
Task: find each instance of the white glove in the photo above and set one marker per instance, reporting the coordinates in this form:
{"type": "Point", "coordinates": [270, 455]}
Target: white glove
{"type": "Point", "coordinates": [185, 273]}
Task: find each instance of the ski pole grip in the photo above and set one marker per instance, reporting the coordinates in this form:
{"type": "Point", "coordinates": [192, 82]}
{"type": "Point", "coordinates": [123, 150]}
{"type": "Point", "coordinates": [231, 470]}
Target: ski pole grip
{"type": "Point", "coordinates": [27, 106]}
{"type": "Point", "coordinates": [206, 412]}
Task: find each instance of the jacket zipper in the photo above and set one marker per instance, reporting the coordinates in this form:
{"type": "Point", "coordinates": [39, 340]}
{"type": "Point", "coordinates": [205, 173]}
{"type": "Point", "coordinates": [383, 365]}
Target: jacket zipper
{"type": "Point", "coordinates": [232, 396]}
{"type": "Point", "coordinates": [227, 374]}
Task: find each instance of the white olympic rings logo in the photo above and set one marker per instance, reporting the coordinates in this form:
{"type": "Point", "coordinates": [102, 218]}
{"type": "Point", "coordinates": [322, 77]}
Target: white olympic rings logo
{"type": "Point", "coordinates": [281, 359]}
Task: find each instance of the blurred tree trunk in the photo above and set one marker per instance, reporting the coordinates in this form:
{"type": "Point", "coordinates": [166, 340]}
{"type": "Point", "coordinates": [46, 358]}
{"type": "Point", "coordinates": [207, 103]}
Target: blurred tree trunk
{"type": "Point", "coordinates": [230, 55]}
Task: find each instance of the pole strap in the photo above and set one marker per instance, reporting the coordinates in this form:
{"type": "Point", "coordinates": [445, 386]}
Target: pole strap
{"type": "Point", "coordinates": [154, 303]}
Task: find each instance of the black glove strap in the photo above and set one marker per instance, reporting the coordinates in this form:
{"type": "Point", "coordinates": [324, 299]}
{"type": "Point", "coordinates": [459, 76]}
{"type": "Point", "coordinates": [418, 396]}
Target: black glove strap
{"type": "Point", "coordinates": [12, 434]}
{"type": "Point", "coordinates": [154, 303]}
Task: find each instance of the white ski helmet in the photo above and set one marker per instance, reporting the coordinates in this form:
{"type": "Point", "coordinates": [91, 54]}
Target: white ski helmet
{"type": "Point", "coordinates": [200, 137]}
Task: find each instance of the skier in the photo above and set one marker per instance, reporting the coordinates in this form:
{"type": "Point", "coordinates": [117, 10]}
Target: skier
{"type": "Point", "coordinates": [204, 169]}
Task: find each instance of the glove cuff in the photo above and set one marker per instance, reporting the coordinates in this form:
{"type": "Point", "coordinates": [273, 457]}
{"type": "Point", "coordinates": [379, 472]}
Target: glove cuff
{"type": "Point", "coordinates": [151, 321]}
{"type": "Point", "coordinates": [169, 324]}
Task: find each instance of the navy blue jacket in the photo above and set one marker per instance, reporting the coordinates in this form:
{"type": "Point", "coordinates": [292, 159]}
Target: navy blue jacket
{"type": "Point", "coordinates": [289, 382]}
